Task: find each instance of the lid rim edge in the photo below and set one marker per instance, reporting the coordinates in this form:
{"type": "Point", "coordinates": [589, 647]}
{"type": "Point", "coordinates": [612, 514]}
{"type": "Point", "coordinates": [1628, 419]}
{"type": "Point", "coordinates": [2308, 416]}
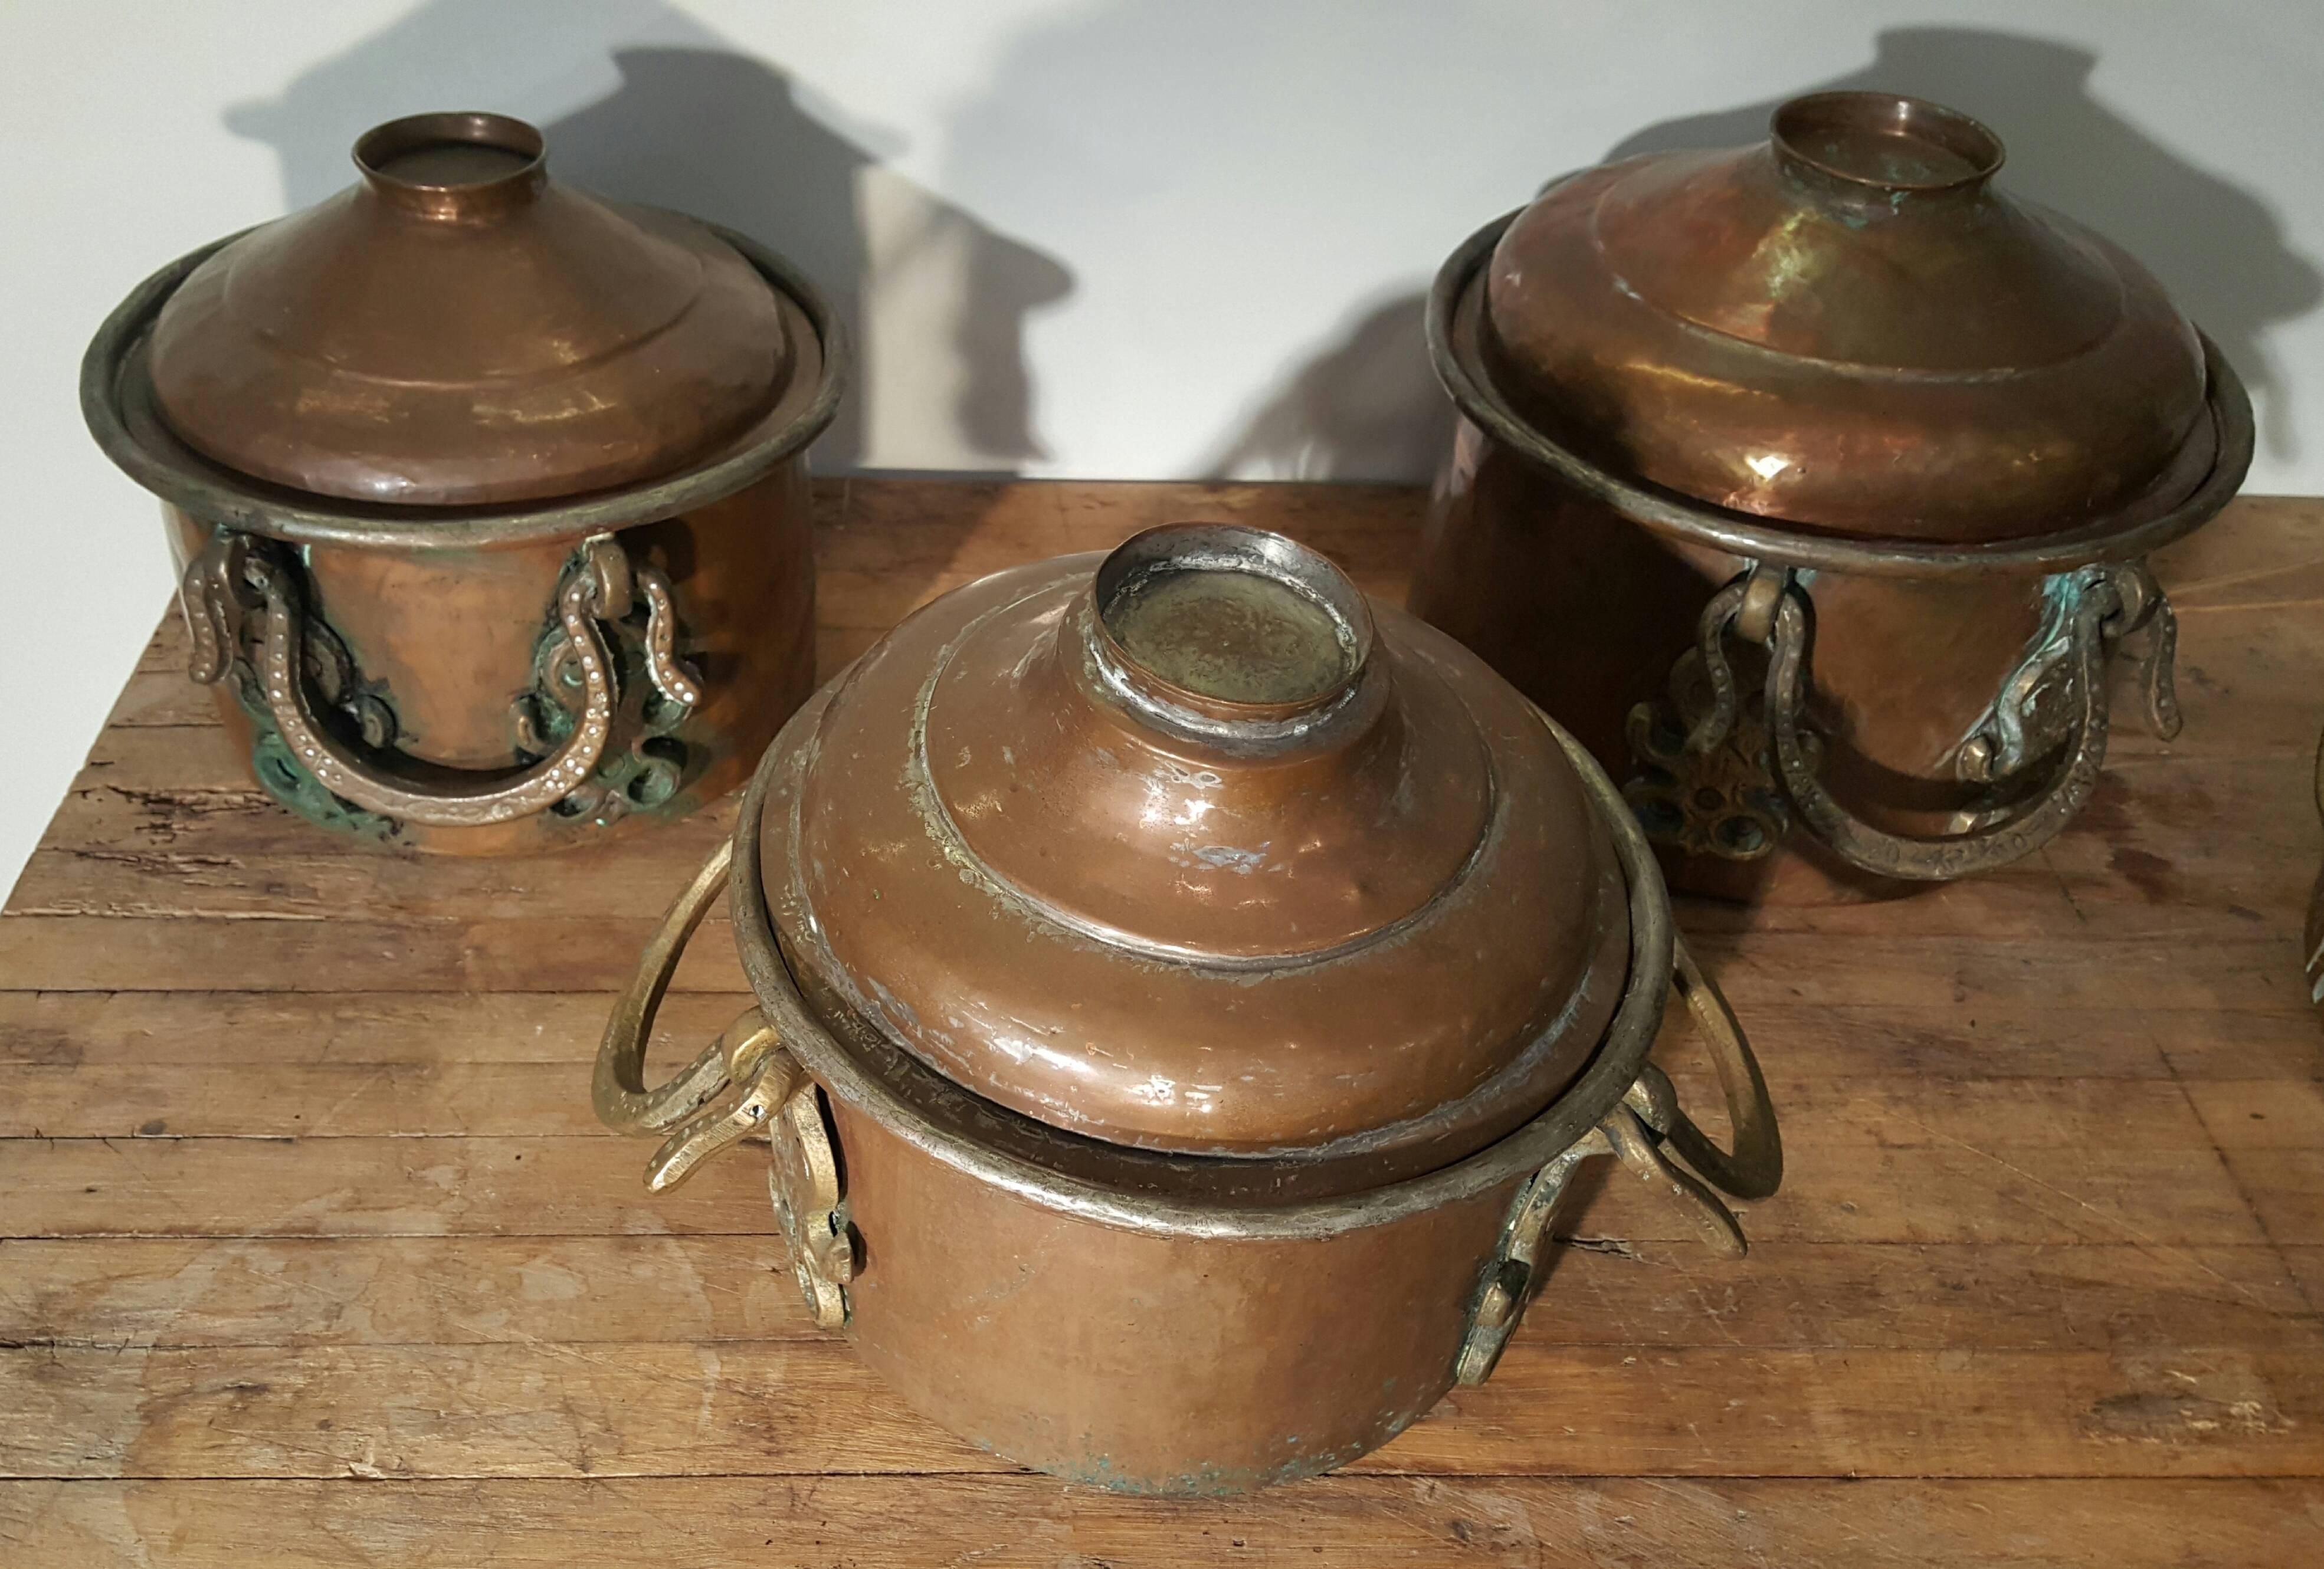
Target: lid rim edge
{"type": "Point", "coordinates": [216, 501]}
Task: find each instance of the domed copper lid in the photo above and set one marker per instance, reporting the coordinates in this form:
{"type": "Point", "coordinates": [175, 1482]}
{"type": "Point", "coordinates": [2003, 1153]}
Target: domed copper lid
{"type": "Point", "coordinates": [1192, 848]}
{"type": "Point", "coordinates": [1849, 328]}
{"type": "Point", "coordinates": [456, 329]}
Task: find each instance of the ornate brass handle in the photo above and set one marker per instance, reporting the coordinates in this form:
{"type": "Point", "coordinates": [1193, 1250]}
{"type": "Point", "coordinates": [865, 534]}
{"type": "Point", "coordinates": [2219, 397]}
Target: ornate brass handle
{"type": "Point", "coordinates": [761, 1086]}
{"type": "Point", "coordinates": [1647, 1121]}
{"type": "Point", "coordinates": [237, 574]}
{"type": "Point", "coordinates": [2091, 610]}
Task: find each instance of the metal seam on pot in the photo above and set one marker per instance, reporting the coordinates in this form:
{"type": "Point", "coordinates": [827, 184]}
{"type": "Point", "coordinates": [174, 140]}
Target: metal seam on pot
{"type": "Point", "coordinates": [1751, 537]}
{"type": "Point", "coordinates": [1569, 1117]}
{"type": "Point", "coordinates": [233, 501]}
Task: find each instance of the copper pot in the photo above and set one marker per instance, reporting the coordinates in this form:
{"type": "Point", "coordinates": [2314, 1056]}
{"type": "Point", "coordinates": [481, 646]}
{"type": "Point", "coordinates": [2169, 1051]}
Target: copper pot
{"type": "Point", "coordinates": [1811, 483]}
{"type": "Point", "coordinates": [488, 496]}
{"type": "Point", "coordinates": [1182, 992]}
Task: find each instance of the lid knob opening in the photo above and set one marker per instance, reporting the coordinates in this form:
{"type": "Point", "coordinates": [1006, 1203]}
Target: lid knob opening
{"type": "Point", "coordinates": [453, 165]}
{"type": "Point", "coordinates": [1227, 626]}
{"type": "Point", "coordinates": [1884, 142]}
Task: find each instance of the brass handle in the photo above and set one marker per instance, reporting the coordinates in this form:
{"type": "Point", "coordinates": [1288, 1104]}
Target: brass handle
{"type": "Point", "coordinates": [746, 1057]}
{"type": "Point", "coordinates": [2096, 606]}
{"type": "Point", "coordinates": [765, 1088]}
{"type": "Point", "coordinates": [236, 573]}
{"type": "Point", "coordinates": [1647, 1120]}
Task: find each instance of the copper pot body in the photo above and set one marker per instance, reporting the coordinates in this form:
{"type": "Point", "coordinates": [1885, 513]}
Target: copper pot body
{"type": "Point", "coordinates": [1585, 612]}
{"type": "Point", "coordinates": [1151, 1363]}
{"type": "Point", "coordinates": [454, 636]}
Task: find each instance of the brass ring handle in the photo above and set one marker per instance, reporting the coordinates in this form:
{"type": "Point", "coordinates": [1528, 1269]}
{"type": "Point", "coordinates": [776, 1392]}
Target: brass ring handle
{"type": "Point", "coordinates": [597, 587]}
{"type": "Point", "coordinates": [1755, 1168]}
{"type": "Point", "coordinates": [618, 1088]}
{"type": "Point", "coordinates": [1647, 1118]}
{"type": "Point", "coordinates": [769, 1088]}
{"type": "Point", "coordinates": [2103, 602]}
{"type": "Point", "coordinates": [747, 1056]}
{"type": "Point", "coordinates": [1651, 1116]}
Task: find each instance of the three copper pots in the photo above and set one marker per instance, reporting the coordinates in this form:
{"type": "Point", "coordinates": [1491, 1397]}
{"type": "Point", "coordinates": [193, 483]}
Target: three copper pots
{"type": "Point", "coordinates": [1184, 989]}
{"type": "Point", "coordinates": [1127, 1114]}
{"type": "Point", "coordinates": [1810, 484]}
{"type": "Point", "coordinates": [489, 498]}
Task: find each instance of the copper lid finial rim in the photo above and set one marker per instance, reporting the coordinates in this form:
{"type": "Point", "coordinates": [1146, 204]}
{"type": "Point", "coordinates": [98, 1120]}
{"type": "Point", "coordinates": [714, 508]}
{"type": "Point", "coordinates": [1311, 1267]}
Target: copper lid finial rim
{"type": "Point", "coordinates": [1207, 546]}
{"type": "Point", "coordinates": [377, 151]}
{"type": "Point", "coordinates": [1894, 115]}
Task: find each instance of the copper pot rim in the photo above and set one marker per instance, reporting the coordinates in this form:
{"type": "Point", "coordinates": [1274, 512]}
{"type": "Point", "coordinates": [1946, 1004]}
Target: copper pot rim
{"type": "Point", "coordinates": [2138, 529]}
{"type": "Point", "coordinates": [220, 495]}
{"type": "Point", "coordinates": [1616, 1064]}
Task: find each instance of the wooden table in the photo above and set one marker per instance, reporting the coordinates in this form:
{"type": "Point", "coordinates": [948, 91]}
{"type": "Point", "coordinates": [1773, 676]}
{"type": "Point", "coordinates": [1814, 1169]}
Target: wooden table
{"type": "Point", "coordinates": [314, 1253]}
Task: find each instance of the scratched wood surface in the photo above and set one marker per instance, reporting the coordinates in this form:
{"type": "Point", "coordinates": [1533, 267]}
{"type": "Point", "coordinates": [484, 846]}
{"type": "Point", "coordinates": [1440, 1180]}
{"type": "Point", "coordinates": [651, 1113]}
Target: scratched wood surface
{"type": "Point", "coordinates": [311, 1252]}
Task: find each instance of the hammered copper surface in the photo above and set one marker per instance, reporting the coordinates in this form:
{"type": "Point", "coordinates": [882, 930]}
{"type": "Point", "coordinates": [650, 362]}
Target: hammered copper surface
{"type": "Point", "coordinates": [1585, 612]}
{"type": "Point", "coordinates": [1172, 1364]}
{"type": "Point", "coordinates": [1846, 328]}
{"type": "Point", "coordinates": [456, 329]}
{"type": "Point", "coordinates": [1161, 941]}
{"type": "Point", "coordinates": [742, 567]}
{"type": "Point", "coordinates": [539, 667]}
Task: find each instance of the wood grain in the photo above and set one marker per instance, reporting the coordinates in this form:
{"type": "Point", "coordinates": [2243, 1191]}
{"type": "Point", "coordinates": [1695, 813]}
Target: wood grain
{"type": "Point", "coordinates": [1340, 1522]}
{"type": "Point", "coordinates": [311, 1252]}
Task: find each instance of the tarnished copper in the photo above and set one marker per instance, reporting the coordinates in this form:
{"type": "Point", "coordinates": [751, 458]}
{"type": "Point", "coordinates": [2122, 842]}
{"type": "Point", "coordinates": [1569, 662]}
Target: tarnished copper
{"type": "Point", "coordinates": [487, 495]}
{"type": "Point", "coordinates": [1941, 425]}
{"type": "Point", "coordinates": [1193, 984]}
{"type": "Point", "coordinates": [2313, 936]}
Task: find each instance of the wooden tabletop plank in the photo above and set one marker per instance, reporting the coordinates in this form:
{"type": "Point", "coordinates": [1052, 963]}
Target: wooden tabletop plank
{"type": "Point", "coordinates": [126, 1292]}
{"type": "Point", "coordinates": [758, 1407]}
{"type": "Point", "coordinates": [1938, 1189]}
{"type": "Point", "coordinates": [1338, 1522]}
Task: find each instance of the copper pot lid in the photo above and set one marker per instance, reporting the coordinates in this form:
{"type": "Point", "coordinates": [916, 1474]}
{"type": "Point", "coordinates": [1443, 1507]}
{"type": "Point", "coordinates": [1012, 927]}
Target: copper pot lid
{"type": "Point", "coordinates": [1850, 328]}
{"type": "Point", "coordinates": [1190, 847]}
{"type": "Point", "coordinates": [457, 329]}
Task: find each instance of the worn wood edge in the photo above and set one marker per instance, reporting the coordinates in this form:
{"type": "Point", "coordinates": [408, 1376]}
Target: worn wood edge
{"type": "Point", "coordinates": [1338, 1522]}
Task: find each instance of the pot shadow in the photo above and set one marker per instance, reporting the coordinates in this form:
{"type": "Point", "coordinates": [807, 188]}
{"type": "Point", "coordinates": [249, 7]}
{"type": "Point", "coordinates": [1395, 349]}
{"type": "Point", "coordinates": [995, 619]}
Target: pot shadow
{"type": "Point", "coordinates": [1365, 408]}
{"type": "Point", "coordinates": [2221, 251]}
{"type": "Point", "coordinates": [933, 302]}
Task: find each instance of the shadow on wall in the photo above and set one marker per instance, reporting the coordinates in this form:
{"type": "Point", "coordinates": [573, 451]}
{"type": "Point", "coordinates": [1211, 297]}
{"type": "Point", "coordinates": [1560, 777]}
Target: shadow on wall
{"type": "Point", "coordinates": [1369, 408]}
{"type": "Point", "coordinates": [694, 125]}
{"type": "Point", "coordinates": [2218, 249]}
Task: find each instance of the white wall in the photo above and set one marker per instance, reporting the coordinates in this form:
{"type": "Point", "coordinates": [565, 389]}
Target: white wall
{"type": "Point", "coordinates": [1111, 238]}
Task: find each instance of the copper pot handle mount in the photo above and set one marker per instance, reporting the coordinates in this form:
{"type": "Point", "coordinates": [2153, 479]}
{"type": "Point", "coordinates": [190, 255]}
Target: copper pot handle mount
{"type": "Point", "coordinates": [738, 1083]}
{"type": "Point", "coordinates": [1647, 1120]}
{"type": "Point", "coordinates": [2092, 608]}
{"type": "Point", "coordinates": [238, 576]}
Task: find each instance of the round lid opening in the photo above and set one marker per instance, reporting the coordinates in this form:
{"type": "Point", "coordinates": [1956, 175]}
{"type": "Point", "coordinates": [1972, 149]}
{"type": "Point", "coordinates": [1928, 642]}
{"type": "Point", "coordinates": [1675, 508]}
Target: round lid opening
{"type": "Point", "coordinates": [448, 152]}
{"type": "Point", "coordinates": [1233, 616]}
{"type": "Point", "coordinates": [1886, 141]}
